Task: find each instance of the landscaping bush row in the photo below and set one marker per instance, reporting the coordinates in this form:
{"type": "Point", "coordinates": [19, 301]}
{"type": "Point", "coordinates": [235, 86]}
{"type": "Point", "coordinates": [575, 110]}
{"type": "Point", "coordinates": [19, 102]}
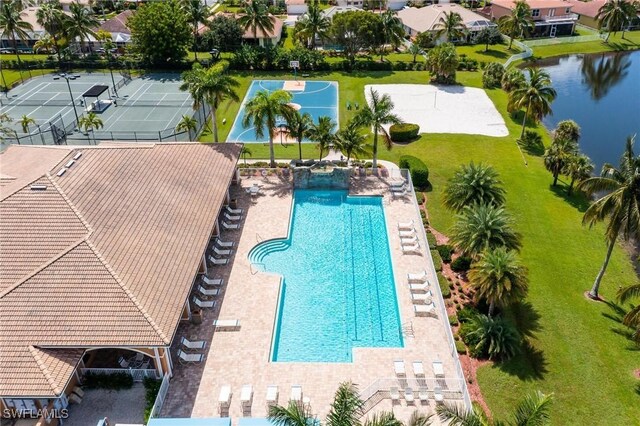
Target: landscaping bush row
{"type": "Point", "coordinates": [419, 171]}
{"type": "Point", "coordinates": [445, 252]}
{"type": "Point", "coordinates": [431, 239]}
{"type": "Point", "coordinates": [437, 260]}
{"type": "Point", "coordinates": [443, 282]}
{"type": "Point", "coordinates": [404, 132]}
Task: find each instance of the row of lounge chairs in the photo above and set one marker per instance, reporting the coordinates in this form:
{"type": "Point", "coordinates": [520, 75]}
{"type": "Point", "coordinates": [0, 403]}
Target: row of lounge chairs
{"type": "Point", "coordinates": [421, 294]}
{"type": "Point", "coordinates": [410, 397]}
{"type": "Point", "coordinates": [418, 372]}
{"type": "Point", "coordinates": [398, 189]}
{"type": "Point", "coordinates": [418, 368]}
{"type": "Point", "coordinates": [246, 397]}
{"type": "Point", "coordinates": [408, 237]}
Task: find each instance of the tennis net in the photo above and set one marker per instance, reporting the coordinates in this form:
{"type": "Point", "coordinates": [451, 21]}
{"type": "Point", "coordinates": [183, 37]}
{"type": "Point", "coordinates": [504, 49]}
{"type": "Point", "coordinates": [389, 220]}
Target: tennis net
{"type": "Point", "coordinates": [119, 103]}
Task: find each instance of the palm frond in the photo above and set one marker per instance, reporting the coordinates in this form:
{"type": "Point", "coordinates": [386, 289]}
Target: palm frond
{"type": "Point", "coordinates": [534, 410]}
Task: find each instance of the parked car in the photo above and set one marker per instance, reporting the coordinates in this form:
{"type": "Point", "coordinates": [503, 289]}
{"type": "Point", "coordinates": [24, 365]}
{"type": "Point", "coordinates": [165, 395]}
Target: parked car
{"type": "Point", "coordinates": [7, 50]}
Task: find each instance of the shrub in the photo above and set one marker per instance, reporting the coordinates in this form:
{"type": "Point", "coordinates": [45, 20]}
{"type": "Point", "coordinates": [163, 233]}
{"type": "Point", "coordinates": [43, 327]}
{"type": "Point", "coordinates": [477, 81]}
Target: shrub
{"type": "Point", "coordinates": [461, 348]}
{"type": "Point", "coordinates": [404, 132]}
{"type": "Point", "coordinates": [437, 260]}
{"type": "Point", "coordinates": [431, 239]}
{"type": "Point", "coordinates": [116, 381]}
{"type": "Point", "coordinates": [492, 75]}
{"type": "Point", "coordinates": [494, 337]}
{"type": "Point", "coordinates": [420, 198]}
{"type": "Point", "coordinates": [419, 171]}
{"type": "Point", "coordinates": [453, 320]}
{"type": "Point", "coordinates": [152, 387]}
{"type": "Point", "coordinates": [444, 285]}
{"type": "Point", "coordinates": [420, 178]}
{"type": "Point", "coordinates": [465, 314]}
{"type": "Point", "coordinates": [461, 264]}
{"type": "Point", "coordinates": [445, 251]}
{"type": "Point", "coordinates": [471, 340]}
{"type": "Point", "coordinates": [531, 142]}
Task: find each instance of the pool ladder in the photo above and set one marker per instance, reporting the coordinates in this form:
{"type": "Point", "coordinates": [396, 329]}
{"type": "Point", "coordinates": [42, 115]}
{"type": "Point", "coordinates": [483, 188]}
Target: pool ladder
{"type": "Point", "coordinates": [407, 329]}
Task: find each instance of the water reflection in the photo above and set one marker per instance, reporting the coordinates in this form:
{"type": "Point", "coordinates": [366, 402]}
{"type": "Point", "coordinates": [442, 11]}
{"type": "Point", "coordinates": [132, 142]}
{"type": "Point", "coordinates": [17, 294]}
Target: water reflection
{"type": "Point", "coordinates": [602, 73]}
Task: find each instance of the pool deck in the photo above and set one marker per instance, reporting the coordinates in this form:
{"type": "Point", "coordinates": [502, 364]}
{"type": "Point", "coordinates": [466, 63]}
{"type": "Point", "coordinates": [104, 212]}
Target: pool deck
{"type": "Point", "coordinates": [241, 357]}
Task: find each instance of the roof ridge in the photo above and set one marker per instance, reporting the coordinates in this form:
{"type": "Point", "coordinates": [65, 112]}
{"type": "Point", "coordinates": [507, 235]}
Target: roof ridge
{"type": "Point", "coordinates": [45, 371]}
{"type": "Point", "coordinates": [128, 292]}
{"type": "Point", "coordinates": [70, 204]}
{"type": "Point", "coordinates": [22, 187]}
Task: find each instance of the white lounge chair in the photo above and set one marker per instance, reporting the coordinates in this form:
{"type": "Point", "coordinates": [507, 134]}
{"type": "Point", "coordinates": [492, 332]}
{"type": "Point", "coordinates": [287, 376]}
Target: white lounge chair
{"type": "Point", "coordinates": [246, 396]}
{"type": "Point", "coordinates": [253, 191]}
{"type": "Point", "coordinates": [438, 368]}
{"type": "Point", "coordinates": [406, 226]}
{"type": "Point", "coordinates": [418, 369]}
{"type": "Point", "coordinates": [123, 362]}
{"type": "Point", "coordinates": [394, 394]}
{"type": "Point", "coordinates": [230, 226]}
{"type": "Point", "coordinates": [407, 234]}
{"type": "Point", "coordinates": [425, 297]}
{"type": "Point", "coordinates": [420, 277]}
{"type": "Point", "coordinates": [226, 324]}
{"type": "Point", "coordinates": [208, 292]}
{"type": "Point", "coordinates": [423, 394]}
{"type": "Point", "coordinates": [296, 393]}
{"type": "Point", "coordinates": [398, 184]}
{"type": "Point", "coordinates": [272, 395]}
{"type": "Point", "coordinates": [221, 252]}
{"type": "Point", "coordinates": [437, 395]}
{"type": "Point", "coordinates": [185, 357]}
{"type": "Point", "coordinates": [425, 310]}
{"type": "Point", "coordinates": [204, 303]}
{"type": "Point", "coordinates": [233, 211]}
{"type": "Point", "coordinates": [223, 244]}
{"type": "Point", "coordinates": [75, 399]}
{"type": "Point", "coordinates": [411, 248]}
{"type": "Point", "coordinates": [232, 218]}
{"type": "Point", "coordinates": [398, 192]}
{"type": "Point", "coordinates": [410, 240]}
{"type": "Point", "coordinates": [217, 261]}
{"type": "Point", "coordinates": [196, 344]}
{"type": "Point", "coordinates": [419, 287]}
{"type": "Point", "coordinates": [224, 398]}
{"type": "Point", "coordinates": [398, 367]}
{"type": "Point", "coordinates": [408, 396]}
{"type": "Point", "coordinates": [213, 282]}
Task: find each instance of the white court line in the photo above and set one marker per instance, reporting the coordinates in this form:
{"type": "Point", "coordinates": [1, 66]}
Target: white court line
{"type": "Point", "coordinates": [154, 108]}
{"type": "Point", "coordinates": [116, 116]}
{"type": "Point", "coordinates": [178, 111]}
{"type": "Point", "coordinates": [26, 96]}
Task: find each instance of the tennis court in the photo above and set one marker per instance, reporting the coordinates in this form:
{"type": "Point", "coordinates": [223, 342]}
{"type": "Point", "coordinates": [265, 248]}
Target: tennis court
{"type": "Point", "coordinates": [144, 107]}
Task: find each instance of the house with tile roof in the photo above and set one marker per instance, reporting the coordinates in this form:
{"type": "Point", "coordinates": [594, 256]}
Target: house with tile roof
{"type": "Point", "coordinates": [552, 18]}
{"type": "Point", "coordinates": [117, 27]}
{"type": "Point", "coordinates": [418, 20]}
{"type": "Point", "coordinates": [588, 10]}
{"type": "Point", "coordinates": [100, 249]}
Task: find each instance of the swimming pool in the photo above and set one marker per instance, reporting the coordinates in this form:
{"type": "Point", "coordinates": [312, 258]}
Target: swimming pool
{"type": "Point", "coordinates": [338, 288]}
{"type": "Point", "coordinates": [319, 98]}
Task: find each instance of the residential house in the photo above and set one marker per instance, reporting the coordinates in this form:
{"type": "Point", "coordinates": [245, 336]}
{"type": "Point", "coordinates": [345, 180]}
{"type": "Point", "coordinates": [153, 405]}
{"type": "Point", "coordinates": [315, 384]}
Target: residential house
{"type": "Point", "coordinates": [418, 20]}
{"type": "Point", "coordinates": [270, 37]}
{"type": "Point", "coordinates": [552, 18]}
{"type": "Point", "coordinates": [588, 10]}
{"type": "Point", "coordinates": [117, 27]}
{"type": "Point", "coordinates": [296, 7]}
{"type": "Point", "coordinates": [101, 247]}
{"type": "Point", "coordinates": [28, 15]}
{"type": "Point", "coordinates": [66, 4]}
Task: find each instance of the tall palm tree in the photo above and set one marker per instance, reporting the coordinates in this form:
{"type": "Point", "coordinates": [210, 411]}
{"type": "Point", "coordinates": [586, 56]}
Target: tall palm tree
{"type": "Point", "coordinates": [25, 121]}
{"type": "Point", "coordinates": [567, 130]}
{"type": "Point", "coordinates": [558, 155]}
{"type": "Point", "coordinates": [298, 125]}
{"type": "Point", "coordinates": [535, 96]}
{"type": "Point", "coordinates": [90, 122]}
{"type": "Point", "coordinates": [392, 30]}
{"type": "Point", "coordinates": [197, 13]}
{"type": "Point", "coordinates": [533, 410]}
{"type": "Point", "coordinates": [376, 114]}
{"type": "Point", "coordinates": [620, 203]}
{"type": "Point", "coordinates": [244, 152]}
{"type": "Point", "coordinates": [313, 25]}
{"type": "Point", "coordinates": [46, 43]}
{"type": "Point", "coordinates": [256, 17]}
{"type": "Point", "coordinates": [13, 26]}
{"type": "Point", "coordinates": [263, 110]}
{"type": "Point", "coordinates": [519, 23]}
{"type": "Point", "coordinates": [346, 408]}
{"type": "Point", "coordinates": [53, 19]}
{"type": "Point", "coordinates": [451, 26]}
{"type": "Point", "coordinates": [473, 184]}
{"type": "Point", "coordinates": [483, 227]}
{"type": "Point", "coordinates": [631, 318]}
{"type": "Point", "coordinates": [415, 50]}
{"type": "Point", "coordinates": [351, 141]}
{"type": "Point", "coordinates": [80, 24]}
{"type": "Point", "coordinates": [188, 124]}
{"type": "Point", "coordinates": [498, 278]}
{"type": "Point", "coordinates": [322, 133]}
{"type": "Point", "coordinates": [512, 79]}
{"type": "Point", "coordinates": [578, 168]}
{"type": "Point", "coordinates": [616, 15]}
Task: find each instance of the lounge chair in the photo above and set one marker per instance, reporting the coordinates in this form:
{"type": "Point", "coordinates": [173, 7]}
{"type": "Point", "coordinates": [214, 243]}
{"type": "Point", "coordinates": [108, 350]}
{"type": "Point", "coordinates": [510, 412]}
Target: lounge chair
{"type": "Point", "coordinates": [398, 184]}
{"type": "Point", "coordinates": [425, 310]}
{"type": "Point", "coordinates": [420, 277]}
{"type": "Point", "coordinates": [75, 399]}
{"type": "Point", "coordinates": [204, 303]}
{"type": "Point", "coordinates": [410, 248]}
{"type": "Point", "coordinates": [419, 287]}
{"type": "Point", "coordinates": [398, 367]}
{"type": "Point", "coordinates": [407, 234]}
{"type": "Point", "coordinates": [423, 394]}
{"type": "Point", "coordinates": [217, 261]}
{"type": "Point", "coordinates": [406, 226]}
{"type": "Point", "coordinates": [185, 357]}
{"type": "Point", "coordinates": [230, 226]}
{"type": "Point", "coordinates": [438, 368]}
{"type": "Point", "coordinates": [212, 282]}
{"type": "Point", "coordinates": [408, 396]}
{"type": "Point", "coordinates": [228, 324]}
{"type": "Point", "coordinates": [223, 244]}
{"type": "Point", "coordinates": [409, 240]}
{"type": "Point", "coordinates": [418, 369]}
{"type": "Point", "coordinates": [196, 344]}
{"type": "Point", "coordinates": [425, 298]}
{"type": "Point", "coordinates": [253, 191]}
{"type": "Point", "coordinates": [208, 292]}
{"type": "Point", "coordinates": [296, 393]}
{"type": "Point", "coordinates": [394, 394]}
{"type": "Point", "coordinates": [233, 211]}
{"type": "Point", "coordinates": [232, 218]}
{"type": "Point", "coordinates": [78, 391]}
{"type": "Point", "coordinates": [221, 252]}
{"type": "Point", "coordinates": [398, 192]}
{"type": "Point", "coordinates": [246, 396]}
{"type": "Point", "coordinates": [123, 362]}
{"type": "Point", "coordinates": [437, 395]}
{"type": "Point", "coordinates": [224, 398]}
{"type": "Point", "coordinates": [272, 395]}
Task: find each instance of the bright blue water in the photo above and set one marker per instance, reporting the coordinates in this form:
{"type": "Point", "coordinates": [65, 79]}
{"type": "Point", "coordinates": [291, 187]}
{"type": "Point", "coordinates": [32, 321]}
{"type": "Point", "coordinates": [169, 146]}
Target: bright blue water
{"type": "Point", "coordinates": [319, 98]}
{"type": "Point", "coordinates": [602, 94]}
{"type": "Point", "coordinates": [338, 288]}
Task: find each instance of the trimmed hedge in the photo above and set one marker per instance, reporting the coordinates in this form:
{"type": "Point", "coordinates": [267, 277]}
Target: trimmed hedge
{"type": "Point", "coordinates": [419, 171]}
{"type": "Point", "coordinates": [437, 260]}
{"type": "Point", "coordinates": [445, 251]}
{"type": "Point", "coordinates": [460, 347]}
{"type": "Point", "coordinates": [453, 320]}
{"type": "Point", "coordinates": [404, 132]}
{"type": "Point", "coordinates": [431, 239]}
{"type": "Point", "coordinates": [443, 282]}
{"type": "Point", "coordinates": [461, 264]}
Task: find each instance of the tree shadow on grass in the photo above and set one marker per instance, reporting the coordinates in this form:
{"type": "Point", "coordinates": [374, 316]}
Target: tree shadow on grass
{"type": "Point", "coordinates": [530, 364]}
{"type": "Point", "coordinates": [526, 318]}
{"type": "Point", "coordinates": [578, 200]}
{"type": "Point", "coordinates": [616, 315]}
{"type": "Point", "coordinates": [496, 54]}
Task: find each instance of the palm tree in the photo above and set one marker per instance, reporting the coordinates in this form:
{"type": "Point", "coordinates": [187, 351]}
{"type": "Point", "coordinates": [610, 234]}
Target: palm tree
{"type": "Point", "coordinates": [578, 168]}
{"type": "Point", "coordinates": [483, 227]}
{"type": "Point", "coordinates": [90, 122]}
{"type": "Point", "coordinates": [12, 26]}
{"type": "Point", "coordinates": [473, 184]}
{"type": "Point", "coordinates": [296, 414]}
{"type": "Point", "coordinates": [45, 43]}
{"type": "Point", "coordinates": [558, 155]}
{"type": "Point", "coordinates": [567, 130]}
{"type": "Point", "coordinates": [451, 26]}
{"type": "Point", "coordinates": [351, 142]}
{"type": "Point", "coordinates": [263, 110]}
{"type": "Point", "coordinates": [346, 408]}
{"type": "Point", "coordinates": [392, 30]}
{"type": "Point", "coordinates": [620, 203]}
{"type": "Point", "coordinates": [513, 79]}
{"type": "Point", "coordinates": [631, 318]}
{"type": "Point", "coordinates": [256, 17]}
{"type": "Point", "coordinates": [519, 23]}
{"type": "Point", "coordinates": [536, 96]}
{"type": "Point", "coordinates": [415, 50]}
{"type": "Point", "coordinates": [616, 15]}
{"type": "Point", "coordinates": [496, 337]}
{"type": "Point", "coordinates": [322, 133]}
{"type": "Point", "coordinates": [188, 124]}
{"type": "Point", "coordinates": [313, 25]}
{"type": "Point", "coordinates": [244, 152]}
{"type": "Point", "coordinates": [197, 13]}
{"type": "Point", "coordinates": [25, 121]}
{"type": "Point", "coordinates": [298, 125]}
{"type": "Point", "coordinates": [52, 19]}
{"type": "Point", "coordinates": [81, 23]}
{"type": "Point", "coordinates": [499, 278]}
{"type": "Point", "coordinates": [376, 114]}
{"type": "Point", "coordinates": [533, 410]}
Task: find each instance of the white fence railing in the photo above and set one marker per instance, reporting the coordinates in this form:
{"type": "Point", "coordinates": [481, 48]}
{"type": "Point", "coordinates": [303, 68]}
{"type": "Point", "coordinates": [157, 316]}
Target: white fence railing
{"type": "Point", "coordinates": [564, 40]}
{"type": "Point", "coordinates": [162, 394]}
{"type": "Point", "coordinates": [526, 51]}
{"type": "Point", "coordinates": [137, 374]}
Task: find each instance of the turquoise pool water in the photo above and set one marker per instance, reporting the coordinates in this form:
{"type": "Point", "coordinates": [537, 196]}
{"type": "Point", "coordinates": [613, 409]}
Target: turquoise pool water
{"type": "Point", "coordinates": [338, 289]}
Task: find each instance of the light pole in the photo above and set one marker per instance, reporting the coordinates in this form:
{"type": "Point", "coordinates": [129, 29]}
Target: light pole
{"type": "Point", "coordinates": [75, 111]}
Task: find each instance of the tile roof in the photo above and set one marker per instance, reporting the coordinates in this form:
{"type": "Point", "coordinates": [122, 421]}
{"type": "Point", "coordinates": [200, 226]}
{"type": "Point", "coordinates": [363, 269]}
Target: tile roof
{"type": "Point", "coordinates": [117, 24]}
{"type": "Point", "coordinates": [587, 8]}
{"type": "Point", "coordinates": [426, 18]}
{"type": "Point", "coordinates": [534, 4]}
{"type": "Point", "coordinates": [104, 256]}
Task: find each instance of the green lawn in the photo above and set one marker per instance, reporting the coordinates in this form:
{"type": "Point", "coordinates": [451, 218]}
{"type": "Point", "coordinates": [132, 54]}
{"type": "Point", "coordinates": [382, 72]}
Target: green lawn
{"type": "Point", "coordinates": [496, 53]}
{"type": "Point", "coordinates": [616, 43]}
{"type": "Point", "coordinates": [576, 352]}
{"type": "Point", "coordinates": [25, 57]}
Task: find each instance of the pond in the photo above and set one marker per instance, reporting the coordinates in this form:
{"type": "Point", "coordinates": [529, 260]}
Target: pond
{"type": "Point", "coordinates": [600, 92]}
